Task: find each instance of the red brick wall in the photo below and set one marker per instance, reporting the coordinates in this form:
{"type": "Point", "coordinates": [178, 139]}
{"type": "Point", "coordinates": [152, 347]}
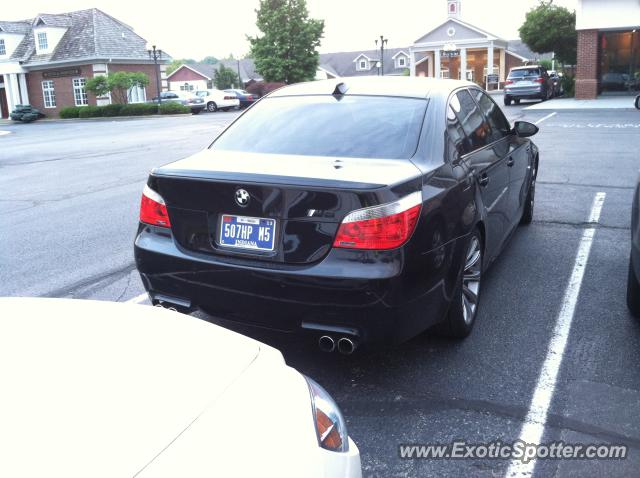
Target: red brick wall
{"type": "Point", "coordinates": [587, 68]}
{"type": "Point", "coordinates": [64, 86]}
{"type": "Point", "coordinates": [185, 74]}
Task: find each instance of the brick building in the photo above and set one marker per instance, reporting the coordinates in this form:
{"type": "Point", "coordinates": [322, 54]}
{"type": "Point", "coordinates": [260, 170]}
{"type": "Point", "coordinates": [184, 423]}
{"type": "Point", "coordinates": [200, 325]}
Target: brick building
{"type": "Point", "coordinates": [608, 48]}
{"type": "Point", "coordinates": [46, 61]}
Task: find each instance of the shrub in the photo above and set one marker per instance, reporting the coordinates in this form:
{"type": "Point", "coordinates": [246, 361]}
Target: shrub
{"type": "Point", "coordinates": [173, 109]}
{"type": "Point", "coordinates": [90, 112]}
{"type": "Point", "coordinates": [568, 85]}
{"type": "Point", "coordinates": [69, 112]}
{"type": "Point", "coordinates": [112, 110]}
{"type": "Point", "coordinates": [139, 109]}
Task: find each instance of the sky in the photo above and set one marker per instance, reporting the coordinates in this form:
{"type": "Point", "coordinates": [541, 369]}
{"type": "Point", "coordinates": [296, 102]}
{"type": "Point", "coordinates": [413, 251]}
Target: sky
{"type": "Point", "coordinates": [218, 28]}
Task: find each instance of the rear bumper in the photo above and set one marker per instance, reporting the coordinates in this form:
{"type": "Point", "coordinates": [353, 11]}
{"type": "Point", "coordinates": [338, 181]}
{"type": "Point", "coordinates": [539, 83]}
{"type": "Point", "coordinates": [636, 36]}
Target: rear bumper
{"type": "Point", "coordinates": [380, 297]}
{"type": "Point", "coordinates": [524, 93]}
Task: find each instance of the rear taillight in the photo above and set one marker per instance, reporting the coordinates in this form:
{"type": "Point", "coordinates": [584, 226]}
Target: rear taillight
{"type": "Point", "coordinates": [229, 97]}
{"type": "Point", "coordinates": [153, 209]}
{"type": "Point", "coordinates": [539, 80]}
{"type": "Point", "coordinates": [380, 227]}
{"type": "Point", "coordinates": [508, 82]}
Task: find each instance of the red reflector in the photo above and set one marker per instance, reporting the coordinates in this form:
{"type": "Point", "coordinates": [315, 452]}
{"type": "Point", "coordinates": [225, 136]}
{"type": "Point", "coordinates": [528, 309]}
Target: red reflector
{"type": "Point", "coordinates": [386, 232]}
{"type": "Point", "coordinates": [508, 82]}
{"type": "Point", "coordinates": [152, 209]}
{"type": "Point", "coordinates": [539, 80]}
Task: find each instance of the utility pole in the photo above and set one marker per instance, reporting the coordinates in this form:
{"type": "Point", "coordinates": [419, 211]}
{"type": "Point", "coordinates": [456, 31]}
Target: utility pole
{"type": "Point", "coordinates": [240, 85]}
{"type": "Point", "coordinates": [156, 55]}
{"type": "Point", "coordinates": [383, 42]}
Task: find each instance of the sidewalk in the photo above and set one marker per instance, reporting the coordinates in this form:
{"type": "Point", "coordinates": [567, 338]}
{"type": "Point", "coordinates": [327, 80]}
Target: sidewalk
{"type": "Point", "coordinates": [600, 103]}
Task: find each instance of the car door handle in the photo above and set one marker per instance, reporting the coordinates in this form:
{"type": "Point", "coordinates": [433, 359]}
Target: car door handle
{"type": "Point", "coordinates": [484, 180]}
{"type": "Point", "coordinates": [510, 161]}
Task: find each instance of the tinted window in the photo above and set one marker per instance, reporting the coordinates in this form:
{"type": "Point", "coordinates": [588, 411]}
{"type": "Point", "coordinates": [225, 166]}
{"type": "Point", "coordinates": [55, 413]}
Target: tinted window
{"type": "Point", "coordinates": [524, 72]}
{"type": "Point", "coordinates": [456, 139]}
{"type": "Point", "coordinates": [351, 126]}
{"type": "Point", "coordinates": [471, 119]}
{"type": "Point", "coordinates": [497, 122]}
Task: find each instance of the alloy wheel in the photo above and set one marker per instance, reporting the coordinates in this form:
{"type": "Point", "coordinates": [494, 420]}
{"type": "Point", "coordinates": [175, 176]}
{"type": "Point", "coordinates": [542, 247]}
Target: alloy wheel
{"type": "Point", "coordinates": [471, 280]}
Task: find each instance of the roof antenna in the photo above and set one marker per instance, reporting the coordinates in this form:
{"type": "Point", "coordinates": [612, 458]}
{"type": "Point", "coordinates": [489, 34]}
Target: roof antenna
{"type": "Point", "coordinates": [340, 89]}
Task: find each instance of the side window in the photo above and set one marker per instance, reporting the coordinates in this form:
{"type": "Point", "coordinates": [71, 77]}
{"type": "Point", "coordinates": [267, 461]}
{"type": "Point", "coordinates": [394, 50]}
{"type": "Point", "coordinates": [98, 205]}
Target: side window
{"type": "Point", "coordinates": [499, 126]}
{"type": "Point", "coordinates": [472, 120]}
{"type": "Point", "coordinates": [457, 142]}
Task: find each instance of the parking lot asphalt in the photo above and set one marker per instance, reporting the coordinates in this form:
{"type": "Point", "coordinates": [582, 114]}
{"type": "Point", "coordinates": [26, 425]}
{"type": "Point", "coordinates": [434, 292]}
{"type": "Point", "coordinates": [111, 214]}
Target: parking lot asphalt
{"type": "Point", "coordinates": [69, 211]}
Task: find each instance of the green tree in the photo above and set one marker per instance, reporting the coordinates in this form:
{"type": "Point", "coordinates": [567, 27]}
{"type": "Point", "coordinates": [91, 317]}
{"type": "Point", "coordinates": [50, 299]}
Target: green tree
{"type": "Point", "coordinates": [287, 49]}
{"type": "Point", "coordinates": [209, 60]}
{"type": "Point", "coordinates": [225, 78]}
{"type": "Point", "coordinates": [550, 28]}
{"type": "Point", "coordinates": [118, 84]}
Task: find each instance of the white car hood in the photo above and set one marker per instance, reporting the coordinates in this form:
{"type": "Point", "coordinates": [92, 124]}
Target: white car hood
{"type": "Point", "coordinates": [101, 389]}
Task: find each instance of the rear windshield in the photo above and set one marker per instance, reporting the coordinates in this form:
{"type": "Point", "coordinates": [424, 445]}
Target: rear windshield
{"type": "Point", "coordinates": [524, 72]}
{"type": "Point", "coordinates": [350, 126]}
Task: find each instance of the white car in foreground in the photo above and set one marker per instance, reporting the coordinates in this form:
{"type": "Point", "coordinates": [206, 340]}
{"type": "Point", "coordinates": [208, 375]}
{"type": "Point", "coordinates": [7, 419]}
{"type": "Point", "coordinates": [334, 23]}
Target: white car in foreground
{"type": "Point", "coordinates": [118, 390]}
{"type": "Point", "coordinates": [218, 100]}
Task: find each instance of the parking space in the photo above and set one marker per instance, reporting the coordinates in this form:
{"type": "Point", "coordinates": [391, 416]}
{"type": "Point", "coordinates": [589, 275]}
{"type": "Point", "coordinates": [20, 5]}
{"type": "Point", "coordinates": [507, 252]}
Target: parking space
{"type": "Point", "coordinates": [69, 214]}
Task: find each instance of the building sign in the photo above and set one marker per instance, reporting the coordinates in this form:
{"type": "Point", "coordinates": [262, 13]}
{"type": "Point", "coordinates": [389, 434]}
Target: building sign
{"type": "Point", "coordinates": [493, 79]}
{"type": "Point", "coordinates": [61, 73]}
{"type": "Point", "coordinates": [449, 53]}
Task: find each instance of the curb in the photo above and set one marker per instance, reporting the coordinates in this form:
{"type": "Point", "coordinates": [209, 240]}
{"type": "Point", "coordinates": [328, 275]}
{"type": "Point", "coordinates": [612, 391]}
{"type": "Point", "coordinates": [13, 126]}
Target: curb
{"type": "Point", "coordinates": [102, 118]}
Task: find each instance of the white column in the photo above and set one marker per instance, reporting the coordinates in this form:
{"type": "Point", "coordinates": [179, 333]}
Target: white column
{"type": "Point", "coordinates": [436, 63]}
{"type": "Point", "coordinates": [503, 65]}
{"type": "Point", "coordinates": [412, 62]}
{"type": "Point", "coordinates": [11, 86]}
{"type": "Point", "coordinates": [24, 92]}
{"type": "Point", "coordinates": [463, 63]}
{"type": "Point", "coordinates": [489, 61]}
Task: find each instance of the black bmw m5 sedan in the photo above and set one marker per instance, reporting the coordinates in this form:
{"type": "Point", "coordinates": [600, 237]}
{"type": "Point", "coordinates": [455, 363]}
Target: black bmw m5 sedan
{"type": "Point", "coordinates": [357, 210]}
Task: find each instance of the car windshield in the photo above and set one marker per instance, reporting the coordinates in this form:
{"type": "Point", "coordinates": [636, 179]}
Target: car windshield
{"type": "Point", "coordinates": [350, 126]}
{"type": "Point", "coordinates": [524, 72]}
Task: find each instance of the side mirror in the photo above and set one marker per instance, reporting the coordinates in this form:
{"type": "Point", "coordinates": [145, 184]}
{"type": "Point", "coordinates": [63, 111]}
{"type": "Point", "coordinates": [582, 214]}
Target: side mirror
{"type": "Point", "coordinates": [524, 129]}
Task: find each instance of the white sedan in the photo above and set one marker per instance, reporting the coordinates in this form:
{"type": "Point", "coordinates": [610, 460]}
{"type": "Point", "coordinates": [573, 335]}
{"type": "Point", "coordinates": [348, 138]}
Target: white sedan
{"type": "Point", "coordinates": [218, 100]}
{"type": "Point", "coordinates": [118, 390]}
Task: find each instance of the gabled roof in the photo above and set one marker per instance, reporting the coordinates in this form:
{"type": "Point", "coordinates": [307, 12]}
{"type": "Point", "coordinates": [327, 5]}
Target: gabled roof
{"type": "Point", "coordinates": [203, 69]}
{"type": "Point", "coordinates": [363, 55]}
{"type": "Point", "coordinates": [15, 27]}
{"type": "Point", "coordinates": [401, 52]}
{"type": "Point", "coordinates": [463, 31]}
{"type": "Point", "coordinates": [91, 34]}
{"type": "Point", "coordinates": [518, 49]}
{"type": "Point", "coordinates": [343, 63]}
{"type": "Point", "coordinates": [247, 69]}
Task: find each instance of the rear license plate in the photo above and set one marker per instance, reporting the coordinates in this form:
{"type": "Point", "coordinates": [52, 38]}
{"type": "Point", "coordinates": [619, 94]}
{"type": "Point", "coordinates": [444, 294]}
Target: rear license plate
{"type": "Point", "coordinates": [252, 233]}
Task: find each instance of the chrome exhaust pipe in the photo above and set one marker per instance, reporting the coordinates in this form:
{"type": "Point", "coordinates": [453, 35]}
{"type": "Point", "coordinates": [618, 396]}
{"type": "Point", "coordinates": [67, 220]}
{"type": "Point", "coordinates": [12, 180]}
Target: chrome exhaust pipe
{"type": "Point", "coordinates": [327, 344]}
{"type": "Point", "coordinates": [346, 346]}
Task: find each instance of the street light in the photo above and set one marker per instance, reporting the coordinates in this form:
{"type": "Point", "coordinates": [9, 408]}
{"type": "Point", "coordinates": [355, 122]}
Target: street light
{"type": "Point", "coordinates": [383, 42]}
{"type": "Point", "coordinates": [156, 55]}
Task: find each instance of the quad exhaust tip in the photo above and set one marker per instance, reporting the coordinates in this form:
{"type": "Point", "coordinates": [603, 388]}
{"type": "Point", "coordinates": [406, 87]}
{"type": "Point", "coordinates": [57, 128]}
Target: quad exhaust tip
{"type": "Point", "coordinates": [327, 344]}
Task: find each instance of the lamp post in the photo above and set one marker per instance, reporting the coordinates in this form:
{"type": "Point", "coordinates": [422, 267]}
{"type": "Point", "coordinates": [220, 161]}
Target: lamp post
{"type": "Point", "coordinates": [240, 85]}
{"type": "Point", "coordinates": [156, 55]}
{"type": "Point", "coordinates": [378, 65]}
{"type": "Point", "coordinates": [383, 42]}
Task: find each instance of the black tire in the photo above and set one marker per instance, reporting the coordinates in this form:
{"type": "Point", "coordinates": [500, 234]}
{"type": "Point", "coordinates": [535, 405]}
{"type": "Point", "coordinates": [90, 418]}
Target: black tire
{"type": "Point", "coordinates": [212, 107]}
{"type": "Point", "coordinates": [637, 102]}
{"type": "Point", "coordinates": [462, 316]}
{"type": "Point", "coordinates": [516, 102]}
{"type": "Point", "coordinates": [530, 202]}
{"type": "Point", "coordinates": [195, 112]}
{"type": "Point", "coordinates": [507, 100]}
{"type": "Point", "coordinates": [633, 292]}
{"type": "Point", "coordinates": [225, 109]}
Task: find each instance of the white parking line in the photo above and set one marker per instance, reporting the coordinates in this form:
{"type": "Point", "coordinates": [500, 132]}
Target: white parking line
{"type": "Point", "coordinates": [2, 133]}
{"type": "Point", "coordinates": [545, 118]}
{"type": "Point", "coordinates": [138, 299]}
{"type": "Point", "coordinates": [534, 423]}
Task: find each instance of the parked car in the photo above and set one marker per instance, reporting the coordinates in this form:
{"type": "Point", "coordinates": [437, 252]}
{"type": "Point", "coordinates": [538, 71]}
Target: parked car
{"type": "Point", "coordinates": [246, 98]}
{"type": "Point", "coordinates": [527, 82]}
{"type": "Point", "coordinates": [218, 100]}
{"type": "Point", "coordinates": [25, 113]}
{"type": "Point", "coordinates": [370, 221]}
{"type": "Point", "coordinates": [185, 98]}
{"type": "Point", "coordinates": [556, 79]}
{"type": "Point", "coordinates": [633, 283]}
{"type": "Point", "coordinates": [110, 389]}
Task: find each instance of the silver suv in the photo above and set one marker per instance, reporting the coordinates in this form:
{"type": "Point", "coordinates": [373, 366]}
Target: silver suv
{"type": "Point", "coordinates": [527, 82]}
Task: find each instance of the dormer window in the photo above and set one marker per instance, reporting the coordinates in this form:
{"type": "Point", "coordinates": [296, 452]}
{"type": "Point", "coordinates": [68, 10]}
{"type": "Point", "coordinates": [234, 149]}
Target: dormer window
{"type": "Point", "coordinates": [43, 44]}
{"type": "Point", "coordinates": [3, 48]}
{"type": "Point", "coordinates": [363, 64]}
{"type": "Point", "coordinates": [402, 62]}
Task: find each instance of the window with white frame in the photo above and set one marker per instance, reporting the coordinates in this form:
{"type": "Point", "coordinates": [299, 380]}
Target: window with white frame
{"type": "Point", "coordinates": [79, 92]}
{"type": "Point", "coordinates": [3, 47]}
{"type": "Point", "coordinates": [187, 87]}
{"type": "Point", "coordinates": [363, 65]}
{"type": "Point", "coordinates": [43, 44]}
{"type": "Point", "coordinates": [444, 73]}
{"type": "Point", "coordinates": [48, 94]}
{"type": "Point", "coordinates": [137, 94]}
{"type": "Point", "coordinates": [402, 61]}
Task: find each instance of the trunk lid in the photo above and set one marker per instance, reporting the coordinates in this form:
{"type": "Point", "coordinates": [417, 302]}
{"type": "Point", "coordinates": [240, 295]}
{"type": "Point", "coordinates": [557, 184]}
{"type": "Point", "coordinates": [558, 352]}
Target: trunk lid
{"type": "Point", "coordinates": [306, 196]}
